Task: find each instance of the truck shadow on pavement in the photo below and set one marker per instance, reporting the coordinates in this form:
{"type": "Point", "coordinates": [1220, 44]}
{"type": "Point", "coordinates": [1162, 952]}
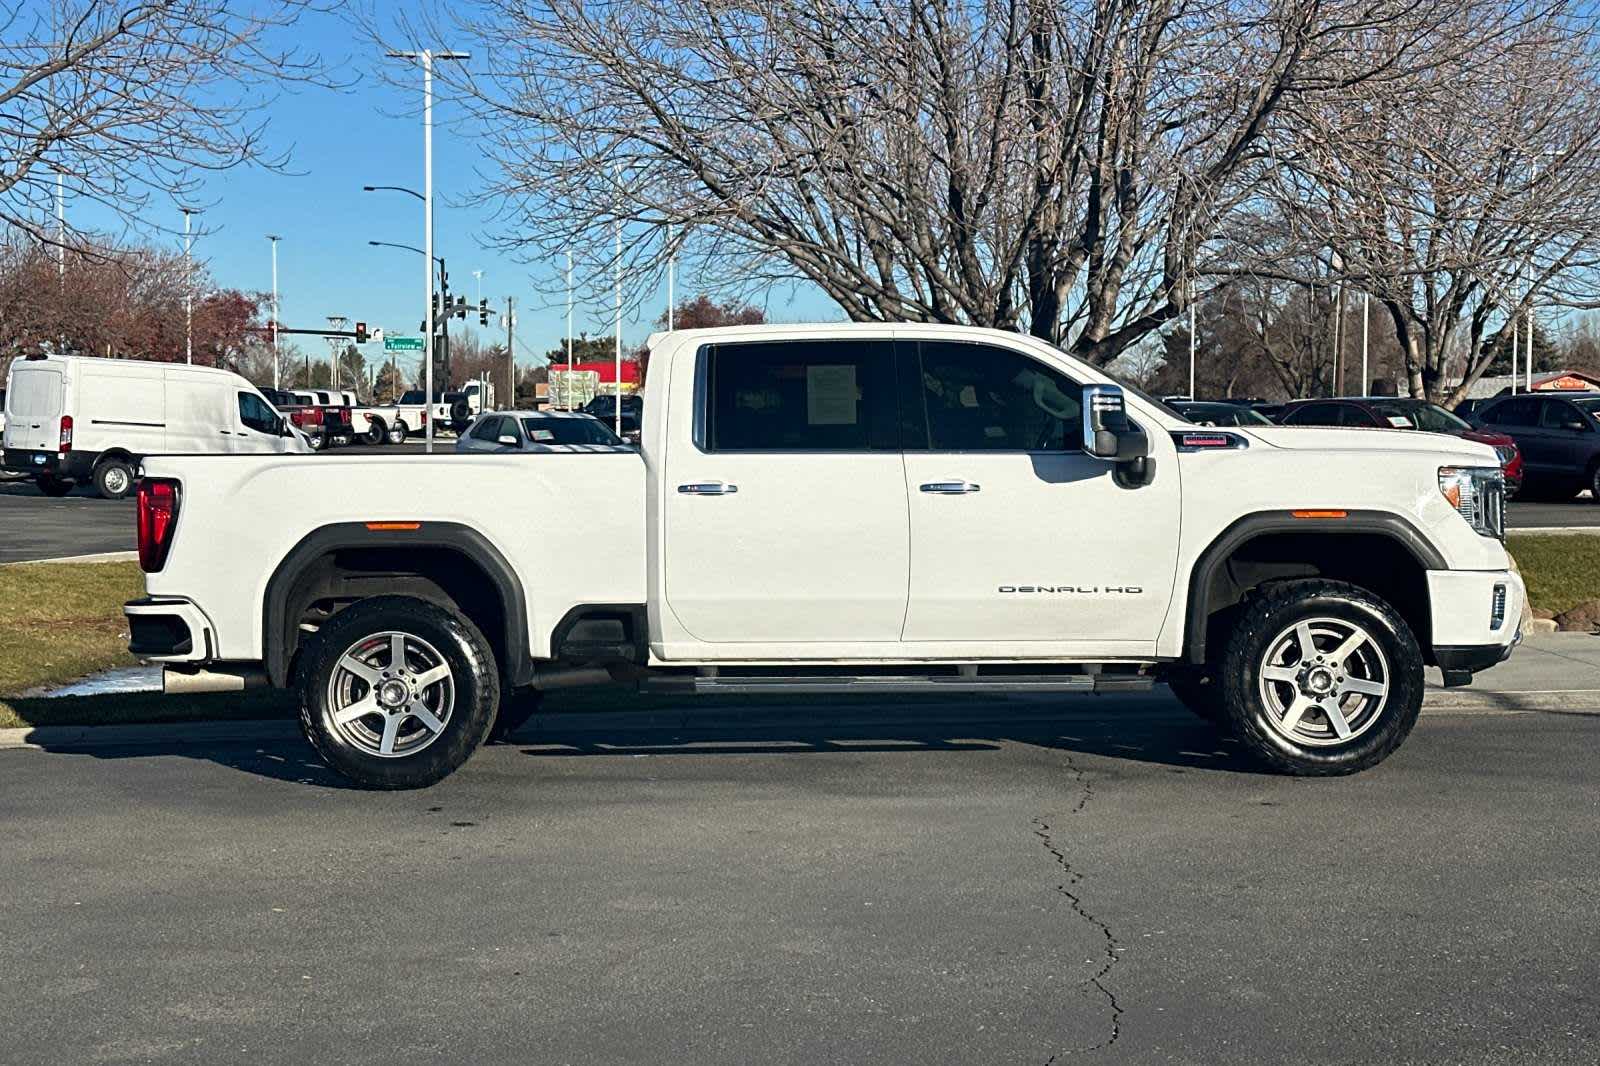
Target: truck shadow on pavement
{"type": "Point", "coordinates": [274, 749]}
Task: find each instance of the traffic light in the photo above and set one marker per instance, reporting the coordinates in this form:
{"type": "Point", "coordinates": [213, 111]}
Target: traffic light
{"type": "Point", "coordinates": [361, 333]}
{"type": "Point", "coordinates": [483, 311]}
{"type": "Point", "coordinates": [461, 307]}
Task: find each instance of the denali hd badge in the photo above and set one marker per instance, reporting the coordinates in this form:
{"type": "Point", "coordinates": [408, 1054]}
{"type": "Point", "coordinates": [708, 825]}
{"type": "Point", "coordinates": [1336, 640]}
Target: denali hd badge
{"type": "Point", "coordinates": [1092, 590]}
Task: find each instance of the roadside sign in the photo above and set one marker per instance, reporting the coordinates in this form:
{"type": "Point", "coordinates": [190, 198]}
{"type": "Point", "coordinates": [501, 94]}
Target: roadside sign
{"type": "Point", "coordinates": [402, 344]}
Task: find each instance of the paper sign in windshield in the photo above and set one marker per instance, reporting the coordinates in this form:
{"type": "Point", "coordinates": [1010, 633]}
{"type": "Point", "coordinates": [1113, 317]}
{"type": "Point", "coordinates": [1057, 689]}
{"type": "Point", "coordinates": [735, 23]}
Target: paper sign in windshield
{"type": "Point", "coordinates": [831, 395]}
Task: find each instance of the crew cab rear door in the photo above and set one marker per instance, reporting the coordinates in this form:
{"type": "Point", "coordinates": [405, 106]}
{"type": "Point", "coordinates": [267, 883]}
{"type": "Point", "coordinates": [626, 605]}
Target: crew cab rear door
{"type": "Point", "coordinates": [1021, 544]}
{"type": "Point", "coordinates": [784, 506]}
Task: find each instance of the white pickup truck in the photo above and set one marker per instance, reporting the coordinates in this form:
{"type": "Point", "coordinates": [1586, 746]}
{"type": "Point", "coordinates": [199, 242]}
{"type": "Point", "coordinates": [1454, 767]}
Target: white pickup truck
{"type": "Point", "coordinates": [842, 508]}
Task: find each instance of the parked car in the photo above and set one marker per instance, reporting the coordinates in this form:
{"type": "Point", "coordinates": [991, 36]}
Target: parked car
{"type": "Point", "coordinates": [1390, 412]}
{"type": "Point", "coordinates": [604, 407]}
{"type": "Point", "coordinates": [844, 508]}
{"type": "Point", "coordinates": [538, 431]}
{"type": "Point", "coordinates": [75, 418]}
{"type": "Point", "coordinates": [1215, 413]}
{"type": "Point", "coordinates": [303, 414]}
{"type": "Point", "coordinates": [1558, 435]}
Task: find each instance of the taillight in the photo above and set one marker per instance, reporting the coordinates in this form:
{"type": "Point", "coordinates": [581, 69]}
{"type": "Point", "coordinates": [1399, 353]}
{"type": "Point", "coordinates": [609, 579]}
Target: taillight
{"type": "Point", "coordinates": [157, 519]}
{"type": "Point", "coordinates": [66, 434]}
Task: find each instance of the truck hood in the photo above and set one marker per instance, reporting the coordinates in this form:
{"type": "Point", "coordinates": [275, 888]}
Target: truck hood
{"type": "Point", "coordinates": [1446, 448]}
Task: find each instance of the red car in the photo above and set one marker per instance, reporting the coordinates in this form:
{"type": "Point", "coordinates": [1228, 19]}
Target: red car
{"type": "Point", "coordinates": [1389, 412]}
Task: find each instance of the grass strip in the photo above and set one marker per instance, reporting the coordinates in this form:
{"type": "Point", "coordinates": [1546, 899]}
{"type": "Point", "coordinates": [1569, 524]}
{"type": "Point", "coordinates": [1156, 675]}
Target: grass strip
{"type": "Point", "coordinates": [1561, 570]}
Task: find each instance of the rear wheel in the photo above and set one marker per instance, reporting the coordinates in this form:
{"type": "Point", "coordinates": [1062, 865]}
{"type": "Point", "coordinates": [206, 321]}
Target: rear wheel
{"type": "Point", "coordinates": [1321, 678]}
{"type": "Point", "coordinates": [376, 433]}
{"type": "Point", "coordinates": [396, 692]}
{"type": "Point", "coordinates": [315, 440]}
{"type": "Point", "coordinates": [397, 433]}
{"type": "Point", "coordinates": [113, 478]}
{"type": "Point", "coordinates": [51, 485]}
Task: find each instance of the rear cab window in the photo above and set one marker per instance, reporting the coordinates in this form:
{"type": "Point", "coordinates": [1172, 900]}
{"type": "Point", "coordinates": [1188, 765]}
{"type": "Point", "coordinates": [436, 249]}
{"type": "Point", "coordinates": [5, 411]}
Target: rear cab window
{"type": "Point", "coordinates": [805, 396]}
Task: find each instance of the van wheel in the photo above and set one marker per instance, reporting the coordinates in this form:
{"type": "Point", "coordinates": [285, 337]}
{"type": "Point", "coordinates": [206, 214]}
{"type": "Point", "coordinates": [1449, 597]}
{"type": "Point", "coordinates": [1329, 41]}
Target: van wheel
{"type": "Point", "coordinates": [113, 478]}
{"type": "Point", "coordinates": [1321, 678]}
{"type": "Point", "coordinates": [375, 431]}
{"type": "Point", "coordinates": [397, 433]}
{"type": "Point", "coordinates": [51, 485]}
{"type": "Point", "coordinates": [396, 692]}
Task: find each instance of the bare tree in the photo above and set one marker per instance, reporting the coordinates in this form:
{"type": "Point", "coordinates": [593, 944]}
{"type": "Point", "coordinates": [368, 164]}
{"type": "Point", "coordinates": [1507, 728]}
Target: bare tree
{"type": "Point", "coordinates": [1456, 198]}
{"type": "Point", "coordinates": [130, 101]}
{"type": "Point", "coordinates": [1060, 167]}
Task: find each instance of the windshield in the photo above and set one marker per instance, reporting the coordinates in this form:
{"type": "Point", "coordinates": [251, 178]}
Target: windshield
{"type": "Point", "coordinates": [1590, 405]}
{"type": "Point", "coordinates": [1413, 414]}
{"type": "Point", "coordinates": [568, 431]}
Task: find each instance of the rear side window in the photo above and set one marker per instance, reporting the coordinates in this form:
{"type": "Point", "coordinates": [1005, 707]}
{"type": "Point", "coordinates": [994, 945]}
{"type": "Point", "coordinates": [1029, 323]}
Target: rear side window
{"type": "Point", "coordinates": [975, 397]}
{"type": "Point", "coordinates": [809, 396]}
{"type": "Point", "coordinates": [1513, 413]}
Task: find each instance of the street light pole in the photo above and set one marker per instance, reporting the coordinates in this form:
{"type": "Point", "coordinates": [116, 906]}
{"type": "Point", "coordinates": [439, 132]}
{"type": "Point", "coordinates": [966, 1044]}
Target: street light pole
{"type": "Point", "coordinates": [616, 277]}
{"type": "Point", "coordinates": [274, 238]}
{"type": "Point", "coordinates": [1191, 339]}
{"type": "Point", "coordinates": [188, 288]}
{"type": "Point", "coordinates": [569, 329]}
{"type": "Point", "coordinates": [427, 56]}
{"type": "Point", "coordinates": [671, 264]}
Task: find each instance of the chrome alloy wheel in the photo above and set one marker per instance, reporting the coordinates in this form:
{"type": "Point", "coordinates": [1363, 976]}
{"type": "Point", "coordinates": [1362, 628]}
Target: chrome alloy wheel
{"type": "Point", "coordinates": [390, 695]}
{"type": "Point", "coordinates": [117, 480]}
{"type": "Point", "coordinates": [1324, 681]}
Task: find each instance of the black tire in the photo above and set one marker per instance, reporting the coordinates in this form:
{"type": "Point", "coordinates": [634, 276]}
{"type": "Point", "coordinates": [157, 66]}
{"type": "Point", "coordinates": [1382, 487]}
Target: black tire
{"type": "Point", "coordinates": [397, 433]}
{"type": "Point", "coordinates": [51, 485]}
{"type": "Point", "coordinates": [315, 440]}
{"type": "Point", "coordinates": [460, 413]}
{"type": "Point", "coordinates": [113, 478]}
{"type": "Point", "coordinates": [377, 433]}
{"type": "Point", "coordinates": [1592, 483]}
{"type": "Point", "coordinates": [517, 706]}
{"type": "Point", "coordinates": [1197, 689]}
{"type": "Point", "coordinates": [1378, 723]}
{"type": "Point", "coordinates": [428, 630]}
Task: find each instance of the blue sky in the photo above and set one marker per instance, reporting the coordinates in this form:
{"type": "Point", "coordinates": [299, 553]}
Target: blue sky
{"type": "Point", "coordinates": [371, 134]}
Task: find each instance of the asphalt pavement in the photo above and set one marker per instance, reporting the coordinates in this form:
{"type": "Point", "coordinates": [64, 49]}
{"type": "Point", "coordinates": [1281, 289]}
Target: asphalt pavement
{"type": "Point", "coordinates": [998, 881]}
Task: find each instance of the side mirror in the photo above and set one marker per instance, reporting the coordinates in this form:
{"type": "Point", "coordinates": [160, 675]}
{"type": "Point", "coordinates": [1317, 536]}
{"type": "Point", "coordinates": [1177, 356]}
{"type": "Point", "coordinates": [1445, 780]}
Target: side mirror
{"type": "Point", "coordinates": [1108, 434]}
{"type": "Point", "coordinates": [283, 427]}
{"type": "Point", "coordinates": [507, 438]}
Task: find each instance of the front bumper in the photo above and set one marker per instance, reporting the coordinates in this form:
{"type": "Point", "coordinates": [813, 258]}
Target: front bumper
{"type": "Point", "coordinates": [1476, 619]}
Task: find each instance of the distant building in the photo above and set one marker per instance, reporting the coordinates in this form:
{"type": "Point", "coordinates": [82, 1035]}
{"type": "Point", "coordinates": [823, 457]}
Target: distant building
{"type": "Point", "coordinates": [1559, 381]}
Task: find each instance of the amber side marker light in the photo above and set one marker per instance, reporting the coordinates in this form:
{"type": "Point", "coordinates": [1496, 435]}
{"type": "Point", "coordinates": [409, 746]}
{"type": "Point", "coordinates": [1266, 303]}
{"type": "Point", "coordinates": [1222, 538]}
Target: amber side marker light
{"type": "Point", "coordinates": [392, 527]}
{"type": "Point", "coordinates": [1318, 514]}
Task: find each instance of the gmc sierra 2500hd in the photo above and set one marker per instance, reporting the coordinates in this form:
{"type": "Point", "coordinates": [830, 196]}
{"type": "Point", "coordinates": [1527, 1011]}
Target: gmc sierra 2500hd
{"type": "Point", "coordinates": [862, 508]}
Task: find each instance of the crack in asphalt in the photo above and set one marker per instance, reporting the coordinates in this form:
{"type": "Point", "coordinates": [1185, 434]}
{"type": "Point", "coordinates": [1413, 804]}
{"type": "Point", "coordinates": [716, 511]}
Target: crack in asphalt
{"type": "Point", "coordinates": [1044, 832]}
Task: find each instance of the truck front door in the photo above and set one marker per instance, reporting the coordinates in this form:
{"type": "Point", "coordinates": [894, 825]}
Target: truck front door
{"type": "Point", "coordinates": [1017, 537]}
{"type": "Point", "coordinates": [784, 506]}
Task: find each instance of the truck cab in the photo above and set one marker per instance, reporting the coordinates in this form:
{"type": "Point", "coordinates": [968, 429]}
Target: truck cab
{"type": "Point", "coordinates": [865, 509]}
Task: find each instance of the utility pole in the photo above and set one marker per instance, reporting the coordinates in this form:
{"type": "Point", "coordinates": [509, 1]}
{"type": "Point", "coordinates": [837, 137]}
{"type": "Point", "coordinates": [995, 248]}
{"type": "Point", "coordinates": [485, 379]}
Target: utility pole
{"type": "Point", "coordinates": [616, 276]}
{"type": "Point", "coordinates": [1366, 380]}
{"type": "Point", "coordinates": [336, 323]}
{"type": "Point", "coordinates": [1192, 344]}
{"type": "Point", "coordinates": [188, 287]}
{"type": "Point", "coordinates": [569, 329]}
{"type": "Point", "coordinates": [427, 57]}
{"type": "Point", "coordinates": [274, 238]}
{"type": "Point", "coordinates": [511, 351]}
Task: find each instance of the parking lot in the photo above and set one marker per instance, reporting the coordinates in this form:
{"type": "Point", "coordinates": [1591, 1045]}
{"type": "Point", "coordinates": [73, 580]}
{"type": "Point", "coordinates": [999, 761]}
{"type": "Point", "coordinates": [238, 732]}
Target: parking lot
{"type": "Point", "coordinates": [1020, 881]}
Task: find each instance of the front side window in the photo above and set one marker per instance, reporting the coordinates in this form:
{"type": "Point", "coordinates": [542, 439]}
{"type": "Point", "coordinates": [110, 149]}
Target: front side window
{"type": "Point", "coordinates": [1313, 414]}
{"type": "Point", "coordinates": [975, 397]}
{"type": "Point", "coordinates": [1558, 414]}
{"type": "Point", "coordinates": [488, 430]}
{"type": "Point", "coordinates": [827, 396]}
{"type": "Point", "coordinates": [1513, 413]}
{"type": "Point", "coordinates": [257, 414]}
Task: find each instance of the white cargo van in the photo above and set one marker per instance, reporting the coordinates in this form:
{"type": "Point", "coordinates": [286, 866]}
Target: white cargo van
{"type": "Point", "coordinates": [72, 418]}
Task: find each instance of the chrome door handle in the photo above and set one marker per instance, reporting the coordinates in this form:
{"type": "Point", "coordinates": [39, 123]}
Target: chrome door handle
{"type": "Point", "coordinates": [950, 488]}
{"type": "Point", "coordinates": [708, 488]}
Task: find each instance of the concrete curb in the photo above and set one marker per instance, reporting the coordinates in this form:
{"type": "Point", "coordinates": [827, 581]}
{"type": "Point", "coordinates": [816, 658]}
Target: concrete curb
{"type": "Point", "coordinates": [1022, 712]}
{"type": "Point", "coordinates": [98, 557]}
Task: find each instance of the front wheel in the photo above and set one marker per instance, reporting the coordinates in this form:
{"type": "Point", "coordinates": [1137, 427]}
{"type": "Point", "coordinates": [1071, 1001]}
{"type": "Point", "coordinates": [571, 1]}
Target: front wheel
{"type": "Point", "coordinates": [397, 433]}
{"type": "Point", "coordinates": [396, 692]}
{"type": "Point", "coordinates": [1321, 678]}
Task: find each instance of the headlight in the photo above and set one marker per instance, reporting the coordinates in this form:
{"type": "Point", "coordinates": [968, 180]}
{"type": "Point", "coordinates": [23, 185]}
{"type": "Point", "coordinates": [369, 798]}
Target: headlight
{"type": "Point", "coordinates": [1478, 494]}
